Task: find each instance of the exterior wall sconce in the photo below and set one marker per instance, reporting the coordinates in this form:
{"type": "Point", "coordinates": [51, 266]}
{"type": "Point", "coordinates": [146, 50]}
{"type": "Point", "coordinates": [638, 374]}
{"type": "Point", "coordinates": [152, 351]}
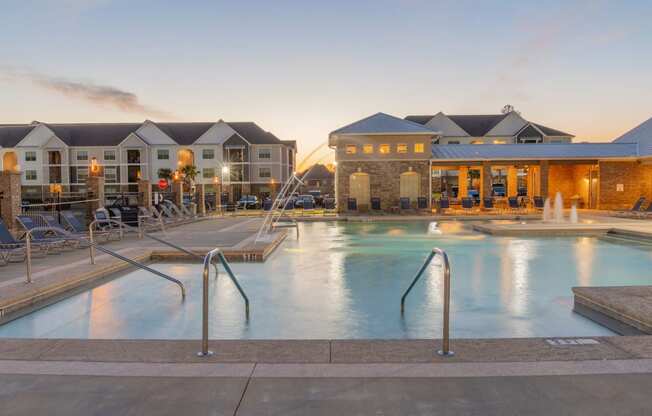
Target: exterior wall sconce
{"type": "Point", "coordinates": [95, 167]}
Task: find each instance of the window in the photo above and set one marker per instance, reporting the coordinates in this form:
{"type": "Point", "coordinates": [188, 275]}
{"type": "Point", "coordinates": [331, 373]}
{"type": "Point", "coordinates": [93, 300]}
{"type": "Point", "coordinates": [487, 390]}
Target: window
{"type": "Point", "coordinates": [163, 154]}
{"type": "Point", "coordinates": [401, 148]}
{"type": "Point", "coordinates": [453, 142]}
{"type": "Point", "coordinates": [208, 173]}
{"type": "Point", "coordinates": [418, 148]}
{"type": "Point", "coordinates": [384, 149]}
{"type": "Point", "coordinates": [500, 141]}
{"type": "Point", "coordinates": [109, 155]}
{"type": "Point", "coordinates": [30, 156]}
{"type": "Point", "coordinates": [264, 172]}
{"type": "Point", "coordinates": [82, 175]}
{"type": "Point", "coordinates": [351, 149]}
{"type": "Point", "coordinates": [111, 174]}
{"type": "Point", "coordinates": [264, 153]}
{"type": "Point", "coordinates": [208, 154]}
{"type": "Point", "coordinates": [30, 175]}
{"type": "Point", "coordinates": [82, 155]}
{"type": "Point", "coordinates": [477, 142]}
{"type": "Point", "coordinates": [368, 148]}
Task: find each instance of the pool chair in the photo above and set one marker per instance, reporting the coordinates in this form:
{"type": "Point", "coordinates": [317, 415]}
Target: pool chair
{"type": "Point", "coordinates": [635, 211]}
{"type": "Point", "coordinates": [148, 221]}
{"type": "Point", "coordinates": [71, 223]}
{"type": "Point", "coordinates": [105, 224]}
{"type": "Point", "coordinates": [52, 221]}
{"type": "Point", "coordinates": [538, 202]}
{"type": "Point", "coordinates": [12, 250]}
{"type": "Point", "coordinates": [54, 244]}
{"type": "Point", "coordinates": [444, 203]}
{"type": "Point", "coordinates": [404, 203]}
{"type": "Point", "coordinates": [267, 204]}
{"type": "Point", "coordinates": [160, 216]}
{"type": "Point", "coordinates": [375, 203]}
{"type": "Point", "coordinates": [488, 203]}
{"type": "Point", "coordinates": [467, 205]}
{"type": "Point", "coordinates": [329, 203]}
{"type": "Point", "coordinates": [170, 217]}
{"type": "Point", "coordinates": [422, 202]}
{"type": "Point", "coordinates": [512, 203]}
{"type": "Point", "coordinates": [352, 204]}
{"type": "Point", "coordinates": [115, 214]}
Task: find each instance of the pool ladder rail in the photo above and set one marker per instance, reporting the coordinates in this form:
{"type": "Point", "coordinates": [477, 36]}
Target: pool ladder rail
{"type": "Point", "coordinates": [445, 350]}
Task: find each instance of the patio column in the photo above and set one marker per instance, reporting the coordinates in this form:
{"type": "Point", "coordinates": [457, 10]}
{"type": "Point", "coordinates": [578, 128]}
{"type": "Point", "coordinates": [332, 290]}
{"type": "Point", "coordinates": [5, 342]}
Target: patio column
{"type": "Point", "coordinates": [177, 188]}
{"type": "Point", "coordinates": [145, 192]}
{"type": "Point", "coordinates": [95, 191]}
{"type": "Point", "coordinates": [463, 180]}
{"type": "Point", "coordinates": [485, 189]}
{"type": "Point", "coordinates": [201, 200]}
{"type": "Point", "coordinates": [10, 198]}
{"type": "Point", "coordinates": [512, 181]}
{"type": "Point", "coordinates": [543, 178]}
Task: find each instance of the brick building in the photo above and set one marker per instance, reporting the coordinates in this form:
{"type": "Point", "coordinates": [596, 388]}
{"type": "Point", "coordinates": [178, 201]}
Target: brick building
{"type": "Point", "coordinates": [500, 155]}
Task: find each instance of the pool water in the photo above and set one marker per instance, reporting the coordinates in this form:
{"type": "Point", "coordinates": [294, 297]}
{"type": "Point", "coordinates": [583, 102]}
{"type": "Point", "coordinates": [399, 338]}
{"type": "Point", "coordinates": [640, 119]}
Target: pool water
{"type": "Point", "coordinates": [345, 281]}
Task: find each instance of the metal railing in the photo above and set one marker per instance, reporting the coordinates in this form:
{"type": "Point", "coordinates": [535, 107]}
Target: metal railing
{"type": "Point", "coordinates": [208, 260]}
{"type": "Point", "coordinates": [289, 224]}
{"type": "Point", "coordinates": [445, 351]}
{"type": "Point", "coordinates": [93, 245]}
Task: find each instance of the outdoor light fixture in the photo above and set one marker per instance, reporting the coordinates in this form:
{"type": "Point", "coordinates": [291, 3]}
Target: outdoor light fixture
{"type": "Point", "coordinates": [176, 175]}
{"type": "Point", "coordinates": [216, 180]}
{"type": "Point", "coordinates": [225, 169]}
{"type": "Point", "coordinates": [95, 168]}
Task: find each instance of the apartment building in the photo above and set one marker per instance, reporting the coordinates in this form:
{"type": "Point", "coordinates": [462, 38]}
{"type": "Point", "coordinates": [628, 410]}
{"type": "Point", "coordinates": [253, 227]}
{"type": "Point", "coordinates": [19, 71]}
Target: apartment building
{"type": "Point", "coordinates": [241, 157]}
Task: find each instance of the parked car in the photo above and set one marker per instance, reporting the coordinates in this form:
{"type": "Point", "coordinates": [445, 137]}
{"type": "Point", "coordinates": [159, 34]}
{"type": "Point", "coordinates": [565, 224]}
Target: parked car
{"type": "Point", "coordinates": [319, 199]}
{"type": "Point", "coordinates": [299, 203]}
{"type": "Point", "coordinates": [249, 202]}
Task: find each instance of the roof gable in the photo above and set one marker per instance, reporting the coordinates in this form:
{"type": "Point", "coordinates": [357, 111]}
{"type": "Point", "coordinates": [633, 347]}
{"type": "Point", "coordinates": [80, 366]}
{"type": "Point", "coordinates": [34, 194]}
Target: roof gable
{"type": "Point", "coordinates": [445, 126]}
{"type": "Point", "coordinates": [509, 125]}
{"type": "Point", "coordinates": [93, 134]}
{"type": "Point", "coordinates": [11, 135]}
{"type": "Point", "coordinates": [218, 133]}
{"type": "Point", "coordinates": [185, 134]}
{"type": "Point", "coordinates": [641, 135]}
{"type": "Point", "coordinates": [37, 137]}
{"type": "Point", "coordinates": [151, 133]}
{"type": "Point", "coordinates": [552, 132]}
{"type": "Point", "coordinates": [381, 123]}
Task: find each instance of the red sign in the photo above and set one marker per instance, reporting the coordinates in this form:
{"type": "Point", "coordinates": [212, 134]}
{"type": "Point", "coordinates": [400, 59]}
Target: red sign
{"type": "Point", "coordinates": [163, 184]}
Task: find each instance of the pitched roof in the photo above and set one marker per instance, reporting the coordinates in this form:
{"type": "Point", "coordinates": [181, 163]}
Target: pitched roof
{"type": "Point", "coordinates": [534, 151]}
{"type": "Point", "coordinates": [551, 132]}
{"type": "Point", "coordinates": [93, 134]}
{"type": "Point", "coordinates": [185, 134]}
{"type": "Point", "coordinates": [290, 143]}
{"type": "Point", "coordinates": [11, 135]}
{"type": "Point", "coordinates": [641, 135]}
{"type": "Point", "coordinates": [316, 172]}
{"type": "Point", "coordinates": [477, 125]}
{"type": "Point", "coordinates": [419, 119]}
{"type": "Point", "coordinates": [381, 123]}
{"type": "Point", "coordinates": [253, 133]}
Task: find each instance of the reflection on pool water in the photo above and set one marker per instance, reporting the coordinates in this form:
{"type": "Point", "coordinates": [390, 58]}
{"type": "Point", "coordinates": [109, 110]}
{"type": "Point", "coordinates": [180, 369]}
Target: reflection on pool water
{"type": "Point", "coordinates": [345, 280]}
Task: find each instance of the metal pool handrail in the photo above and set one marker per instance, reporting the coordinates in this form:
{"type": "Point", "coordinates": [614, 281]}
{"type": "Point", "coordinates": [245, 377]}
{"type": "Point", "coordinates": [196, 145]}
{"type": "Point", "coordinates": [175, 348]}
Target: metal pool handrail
{"type": "Point", "coordinates": [93, 245]}
{"type": "Point", "coordinates": [207, 262]}
{"type": "Point", "coordinates": [445, 351]}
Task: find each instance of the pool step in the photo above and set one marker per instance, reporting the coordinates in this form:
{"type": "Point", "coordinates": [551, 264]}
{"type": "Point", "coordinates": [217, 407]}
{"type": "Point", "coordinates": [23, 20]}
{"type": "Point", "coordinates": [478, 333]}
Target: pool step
{"type": "Point", "coordinates": [619, 237]}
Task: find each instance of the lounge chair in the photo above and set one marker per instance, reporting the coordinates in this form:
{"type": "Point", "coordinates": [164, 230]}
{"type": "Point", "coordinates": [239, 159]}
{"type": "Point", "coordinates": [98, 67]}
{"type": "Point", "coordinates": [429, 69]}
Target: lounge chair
{"type": "Point", "coordinates": [513, 204]}
{"type": "Point", "coordinates": [488, 203]}
{"type": "Point", "coordinates": [352, 204]}
{"type": "Point", "coordinates": [375, 203]}
{"type": "Point", "coordinates": [172, 210]}
{"type": "Point", "coordinates": [422, 202]}
{"type": "Point", "coordinates": [444, 203]}
{"type": "Point", "coordinates": [52, 221]}
{"type": "Point", "coordinates": [42, 237]}
{"type": "Point", "coordinates": [73, 225]}
{"type": "Point", "coordinates": [147, 220]}
{"type": "Point", "coordinates": [404, 203]}
{"type": "Point", "coordinates": [160, 216]}
{"type": "Point", "coordinates": [467, 204]}
{"type": "Point", "coordinates": [104, 223]}
{"type": "Point", "coordinates": [538, 202]}
{"type": "Point", "coordinates": [329, 203]}
{"type": "Point", "coordinates": [12, 250]}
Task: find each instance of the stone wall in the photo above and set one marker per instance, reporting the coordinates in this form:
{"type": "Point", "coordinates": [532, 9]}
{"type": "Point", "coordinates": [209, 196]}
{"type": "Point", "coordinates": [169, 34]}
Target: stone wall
{"type": "Point", "coordinates": [384, 180]}
{"type": "Point", "coordinates": [11, 198]}
{"type": "Point", "coordinates": [636, 181]}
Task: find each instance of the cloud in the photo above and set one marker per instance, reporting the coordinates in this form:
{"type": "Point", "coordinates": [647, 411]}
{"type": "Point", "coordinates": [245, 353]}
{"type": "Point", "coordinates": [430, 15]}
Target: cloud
{"type": "Point", "coordinates": [100, 95]}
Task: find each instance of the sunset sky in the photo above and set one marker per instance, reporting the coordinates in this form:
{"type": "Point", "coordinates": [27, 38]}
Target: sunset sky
{"type": "Point", "coordinates": [304, 68]}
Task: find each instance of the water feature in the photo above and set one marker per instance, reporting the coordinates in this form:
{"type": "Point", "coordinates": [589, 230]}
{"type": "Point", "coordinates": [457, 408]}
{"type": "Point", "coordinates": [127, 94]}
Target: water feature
{"type": "Point", "coordinates": [547, 211]}
{"type": "Point", "coordinates": [558, 210]}
{"type": "Point", "coordinates": [573, 214]}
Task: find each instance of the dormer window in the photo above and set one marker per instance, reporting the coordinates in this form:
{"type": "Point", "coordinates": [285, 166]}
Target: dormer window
{"type": "Point", "coordinates": [401, 148]}
{"type": "Point", "coordinates": [384, 149]}
{"type": "Point", "coordinates": [351, 149]}
{"type": "Point", "coordinates": [368, 149]}
{"type": "Point", "coordinates": [418, 148]}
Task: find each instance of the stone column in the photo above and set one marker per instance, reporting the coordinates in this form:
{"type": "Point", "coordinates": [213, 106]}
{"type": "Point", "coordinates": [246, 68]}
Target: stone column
{"type": "Point", "coordinates": [543, 178]}
{"type": "Point", "coordinates": [463, 181]}
{"type": "Point", "coordinates": [201, 203]}
{"type": "Point", "coordinates": [512, 181]}
{"type": "Point", "coordinates": [145, 190]}
{"type": "Point", "coordinates": [10, 198]}
{"type": "Point", "coordinates": [177, 188]}
{"type": "Point", "coordinates": [95, 190]}
{"type": "Point", "coordinates": [485, 189]}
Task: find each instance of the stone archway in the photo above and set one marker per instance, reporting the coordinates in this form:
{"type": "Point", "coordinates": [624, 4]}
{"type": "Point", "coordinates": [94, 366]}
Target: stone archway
{"type": "Point", "coordinates": [359, 188]}
{"type": "Point", "coordinates": [10, 162]}
{"type": "Point", "coordinates": [410, 185]}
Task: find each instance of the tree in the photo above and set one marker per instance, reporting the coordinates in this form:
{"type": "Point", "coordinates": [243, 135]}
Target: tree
{"type": "Point", "coordinates": [189, 173]}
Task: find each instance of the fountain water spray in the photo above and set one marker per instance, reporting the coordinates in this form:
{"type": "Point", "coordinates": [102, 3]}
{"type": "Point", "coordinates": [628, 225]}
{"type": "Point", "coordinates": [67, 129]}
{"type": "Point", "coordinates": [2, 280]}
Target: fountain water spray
{"type": "Point", "coordinates": [573, 214]}
{"type": "Point", "coordinates": [558, 209]}
{"type": "Point", "coordinates": [547, 214]}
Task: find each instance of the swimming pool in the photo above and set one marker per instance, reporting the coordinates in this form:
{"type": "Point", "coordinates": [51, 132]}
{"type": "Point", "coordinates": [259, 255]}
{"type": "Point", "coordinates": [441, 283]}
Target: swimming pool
{"type": "Point", "coordinates": [344, 280]}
